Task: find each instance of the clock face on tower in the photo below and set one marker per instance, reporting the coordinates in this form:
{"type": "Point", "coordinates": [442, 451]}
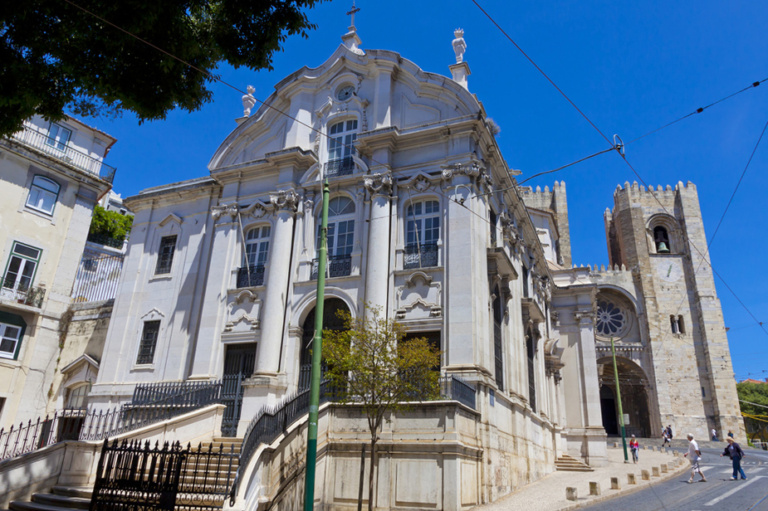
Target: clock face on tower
{"type": "Point", "coordinates": [345, 92]}
{"type": "Point", "coordinates": [671, 271]}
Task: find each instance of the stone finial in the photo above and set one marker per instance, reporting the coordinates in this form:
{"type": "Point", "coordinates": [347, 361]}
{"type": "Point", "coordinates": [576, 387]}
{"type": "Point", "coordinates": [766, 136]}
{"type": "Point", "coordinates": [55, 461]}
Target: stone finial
{"type": "Point", "coordinates": [248, 101]}
{"type": "Point", "coordinates": [459, 45]}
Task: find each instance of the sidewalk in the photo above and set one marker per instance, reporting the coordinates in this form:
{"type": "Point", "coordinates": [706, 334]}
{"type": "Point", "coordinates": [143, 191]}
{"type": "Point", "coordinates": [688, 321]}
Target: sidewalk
{"type": "Point", "coordinates": [548, 493]}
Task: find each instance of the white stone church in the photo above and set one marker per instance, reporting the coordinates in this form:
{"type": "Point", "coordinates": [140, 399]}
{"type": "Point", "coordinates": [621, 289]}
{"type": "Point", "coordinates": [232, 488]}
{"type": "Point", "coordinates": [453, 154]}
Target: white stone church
{"type": "Point", "coordinates": [426, 221]}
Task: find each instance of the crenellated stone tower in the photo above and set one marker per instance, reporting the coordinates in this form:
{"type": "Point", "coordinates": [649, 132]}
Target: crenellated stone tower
{"type": "Point", "coordinates": [659, 235]}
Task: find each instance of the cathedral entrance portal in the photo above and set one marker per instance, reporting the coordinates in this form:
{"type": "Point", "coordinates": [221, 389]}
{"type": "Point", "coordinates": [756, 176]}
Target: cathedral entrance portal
{"type": "Point", "coordinates": [238, 365]}
{"type": "Point", "coordinates": [634, 398]}
{"type": "Point", "coordinates": [331, 321]}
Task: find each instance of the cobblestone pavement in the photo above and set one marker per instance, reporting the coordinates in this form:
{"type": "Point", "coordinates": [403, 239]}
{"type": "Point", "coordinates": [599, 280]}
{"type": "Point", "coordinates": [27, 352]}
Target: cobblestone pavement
{"type": "Point", "coordinates": [548, 493]}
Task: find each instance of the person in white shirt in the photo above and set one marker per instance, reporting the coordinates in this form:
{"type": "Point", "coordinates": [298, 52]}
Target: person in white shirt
{"type": "Point", "coordinates": [714, 435]}
{"type": "Point", "coordinates": [694, 456]}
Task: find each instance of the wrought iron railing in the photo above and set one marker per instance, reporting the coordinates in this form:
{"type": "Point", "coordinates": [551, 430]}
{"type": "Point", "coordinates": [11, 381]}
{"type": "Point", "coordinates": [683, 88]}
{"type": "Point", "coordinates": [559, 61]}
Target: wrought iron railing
{"type": "Point", "coordinates": [453, 387]}
{"type": "Point", "coordinates": [248, 276]}
{"type": "Point", "coordinates": [183, 393]}
{"type": "Point", "coordinates": [97, 278]}
{"type": "Point", "coordinates": [102, 239]}
{"type": "Point", "coordinates": [25, 295]}
{"type": "Point", "coordinates": [422, 255]}
{"type": "Point", "coordinates": [338, 266]}
{"type": "Point", "coordinates": [50, 146]}
{"type": "Point", "coordinates": [98, 425]}
{"type": "Point", "coordinates": [340, 167]}
{"type": "Point", "coordinates": [135, 477]}
{"type": "Point", "coordinates": [270, 423]}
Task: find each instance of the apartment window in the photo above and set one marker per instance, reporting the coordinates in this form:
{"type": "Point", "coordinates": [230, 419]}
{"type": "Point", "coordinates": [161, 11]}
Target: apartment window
{"type": "Point", "coordinates": [43, 194]}
{"type": "Point", "coordinates": [20, 271]}
{"type": "Point", "coordinates": [58, 136]}
{"type": "Point", "coordinates": [422, 232]}
{"type": "Point", "coordinates": [256, 252]}
{"type": "Point", "coordinates": [77, 398]}
{"type": "Point", "coordinates": [165, 255]}
{"type": "Point", "coordinates": [341, 137]}
{"type": "Point", "coordinates": [10, 337]}
{"type": "Point", "coordinates": [148, 342]}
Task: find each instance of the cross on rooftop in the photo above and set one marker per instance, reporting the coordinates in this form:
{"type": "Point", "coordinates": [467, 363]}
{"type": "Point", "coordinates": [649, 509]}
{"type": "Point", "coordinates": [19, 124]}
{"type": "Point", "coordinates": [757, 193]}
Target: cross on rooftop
{"type": "Point", "coordinates": [352, 14]}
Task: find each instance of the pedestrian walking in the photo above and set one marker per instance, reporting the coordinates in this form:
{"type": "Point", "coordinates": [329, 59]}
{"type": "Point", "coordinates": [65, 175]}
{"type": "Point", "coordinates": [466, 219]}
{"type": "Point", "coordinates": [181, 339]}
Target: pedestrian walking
{"type": "Point", "coordinates": [714, 435]}
{"type": "Point", "coordinates": [694, 456]}
{"type": "Point", "coordinates": [735, 453]}
{"type": "Point", "coordinates": [669, 431]}
{"type": "Point", "coordinates": [665, 438]}
{"type": "Point", "coordinates": [635, 448]}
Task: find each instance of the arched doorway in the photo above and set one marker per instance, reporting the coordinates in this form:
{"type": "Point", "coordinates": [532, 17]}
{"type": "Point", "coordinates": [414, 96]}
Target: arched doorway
{"type": "Point", "coordinates": [331, 321]}
{"type": "Point", "coordinates": [634, 398]}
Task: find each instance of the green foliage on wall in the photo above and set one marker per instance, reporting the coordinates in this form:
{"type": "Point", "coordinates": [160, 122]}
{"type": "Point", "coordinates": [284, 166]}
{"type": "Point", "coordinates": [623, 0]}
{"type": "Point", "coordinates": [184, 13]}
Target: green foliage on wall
{"type": "Point", "coordinates": [110, 224]}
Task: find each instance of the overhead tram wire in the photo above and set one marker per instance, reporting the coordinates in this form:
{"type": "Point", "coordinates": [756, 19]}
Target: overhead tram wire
{"type": "Point", "coordinates": [623, 156]}
{"type": "Point", "coordinates": [699, 110]}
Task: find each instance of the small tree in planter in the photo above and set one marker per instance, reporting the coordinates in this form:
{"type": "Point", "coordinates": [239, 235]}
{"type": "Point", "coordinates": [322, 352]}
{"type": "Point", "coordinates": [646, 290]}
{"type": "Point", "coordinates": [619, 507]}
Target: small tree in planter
{"type": "Point", "coordinates": [370, 365]}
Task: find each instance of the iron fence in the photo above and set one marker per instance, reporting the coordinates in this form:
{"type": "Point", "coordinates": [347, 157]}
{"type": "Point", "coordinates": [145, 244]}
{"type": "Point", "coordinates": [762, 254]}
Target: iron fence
{"type": "Point", "coordinates": [422, 255]}
{"type": "Point", "coordinates": [71, 424]}
{"type": "Point", "coordinates": [23, 294]}
{"type": "Point", "coordinates": [97, 278]}
{"type": "Point", "coordinates": [183, 393]}
{"type": "Point", "coordinates": [51, 147]}
{"type": "Point", "coordinates": [340, 167]}
{"type": "Point", "coordinates": [133, 477]}
{"type": "Point", "coordinates": [109, 241]}
{"type": "Point", "coordinates": [453, 387]}
{"type": "Point", "coordinates": [248, 276]}
{"type": "Point", "coordinates": [338, 266]}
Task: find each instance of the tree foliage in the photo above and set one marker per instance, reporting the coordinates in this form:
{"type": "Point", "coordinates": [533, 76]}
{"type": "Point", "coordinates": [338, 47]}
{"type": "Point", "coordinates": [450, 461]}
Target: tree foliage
{"type": "Point", "coordinates": [753, 399]}
{"type": "Point", "coordinates": [55, 56]}
{"type": "Point", "coordinates": [110, 224]}
{"type": "Point", "coordinates": [375, 368]}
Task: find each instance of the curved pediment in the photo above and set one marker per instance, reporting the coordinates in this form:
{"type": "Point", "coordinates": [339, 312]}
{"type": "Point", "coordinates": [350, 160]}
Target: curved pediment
{"type": "Point", "coordinates": [348, 85]}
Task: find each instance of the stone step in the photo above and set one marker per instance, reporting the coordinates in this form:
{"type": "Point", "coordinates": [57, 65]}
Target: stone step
{"type": "Point", "coordinates": [64, 501]}
{"type": "Point", "coordinates": [71, 491]}
{"type": "Point", "coordinates": [570, 464]}
{"type": "Point", "coordinates": [34, 506]}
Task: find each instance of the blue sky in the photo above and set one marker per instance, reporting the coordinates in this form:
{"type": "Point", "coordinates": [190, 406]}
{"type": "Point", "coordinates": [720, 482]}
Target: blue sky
{"type": "Point", "coordinates": [631, 67]}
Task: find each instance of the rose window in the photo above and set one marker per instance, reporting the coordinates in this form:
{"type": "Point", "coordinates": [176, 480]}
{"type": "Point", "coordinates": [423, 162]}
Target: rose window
{"type": "Point", "coordinates": [610, 319]}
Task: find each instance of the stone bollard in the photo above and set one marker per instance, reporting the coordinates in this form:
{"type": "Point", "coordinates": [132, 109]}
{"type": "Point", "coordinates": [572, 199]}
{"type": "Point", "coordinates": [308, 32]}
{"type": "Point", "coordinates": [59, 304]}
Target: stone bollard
{"type": "Point", "coordinates": [594, 488]}
{"type": "Point", "coordinates": [615, 445]}
{"type": "Point", "coordinates": [631, 479]}
{"type": "Point", "coordinates": [571, 494]}
{"type": "Point", "coordinates": [656, 471]}
{"type": "Point", "coordinates": [645, 447]}
{"type": "Point", "coordinates": [675, 454]}
{"type": "Point", "coordinates": [664, 469]}
{"type": "Point", "coordinates": [615, 483]}
{"type": "Point", "coordinates": [645, 475]}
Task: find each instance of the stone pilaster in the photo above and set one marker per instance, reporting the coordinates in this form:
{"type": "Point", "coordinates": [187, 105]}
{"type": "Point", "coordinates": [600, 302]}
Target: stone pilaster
{"type": "Point", "coordinates": [285, 203]}
{"type": "Point", "coordinates": [379, 187]}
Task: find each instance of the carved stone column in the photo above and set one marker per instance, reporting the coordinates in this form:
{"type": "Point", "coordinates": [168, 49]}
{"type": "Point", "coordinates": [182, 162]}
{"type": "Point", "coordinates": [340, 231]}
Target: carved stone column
{"type": "Point", "coordinates": [379, 187]}
{"type": "Point", "coordinates": [285, 203]}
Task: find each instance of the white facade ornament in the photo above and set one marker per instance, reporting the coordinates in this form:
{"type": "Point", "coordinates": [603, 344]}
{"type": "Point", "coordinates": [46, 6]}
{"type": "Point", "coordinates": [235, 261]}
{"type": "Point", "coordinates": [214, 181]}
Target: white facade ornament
{"type": "Point", "coordinates": [228, 209]}
{"type": "Point", "coordinates": [248, 101]}
{"type": "Point", "coordinates": [471, 169]}
{"type": "Point", "coordinates": [378, 183]}
{"type": "Point", "coordinates": [459, 45]}
{"type": "Point", "coordinates": [421, 184]}
{"type": "Point", "coordinates": [285, 199]}
{"type": "Point", "coordinates": [256, 210]}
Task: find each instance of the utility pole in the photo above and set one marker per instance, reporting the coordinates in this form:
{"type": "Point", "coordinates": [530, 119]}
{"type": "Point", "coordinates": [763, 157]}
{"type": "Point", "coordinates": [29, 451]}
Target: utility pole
{"type": "Point", "coordinates": [317, 348]}
{"type": "Point", "coordinates": [618, 398]}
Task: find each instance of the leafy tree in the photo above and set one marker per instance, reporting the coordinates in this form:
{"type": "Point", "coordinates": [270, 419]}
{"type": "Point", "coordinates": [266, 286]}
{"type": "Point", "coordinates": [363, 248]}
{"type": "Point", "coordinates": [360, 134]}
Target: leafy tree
{"type": "Point", "coordinates": [376, 369]}
{"type": "Point", "coordinates": [55, 56]}
{"type": "Point", "coordinates": [110, 224]}
{"type": "Point", "coordinates": [753, 399]}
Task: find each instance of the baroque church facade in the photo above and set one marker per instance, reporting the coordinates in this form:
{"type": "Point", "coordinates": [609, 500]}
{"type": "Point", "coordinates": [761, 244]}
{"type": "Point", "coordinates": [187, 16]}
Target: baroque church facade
{"type": "Point", "coordinates": [426, 222]}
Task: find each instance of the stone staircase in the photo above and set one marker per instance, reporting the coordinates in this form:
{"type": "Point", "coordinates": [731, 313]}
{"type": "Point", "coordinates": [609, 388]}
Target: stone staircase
{"type": "Point", "coordinates": [571, 464]}
{"type": "Point", "coordinates": [61, 498]}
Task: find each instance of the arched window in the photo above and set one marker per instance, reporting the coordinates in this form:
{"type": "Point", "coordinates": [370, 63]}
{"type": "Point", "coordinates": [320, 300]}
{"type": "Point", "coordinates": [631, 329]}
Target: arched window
{"type": "Point", "coordinates": [422, 232]}
{"type": "Point", "coordinates": [498, 315]}
{"type": "Point", "coordinates": [341, 137]}
{"type": "Point", "coordinates": [661, 239]}
{"type": "Point", "coordinates": [256, 252]}
{"type": "Point", "coordinates": [77, 398]}
{"type": "Point", "coordinates": [43, 194]}
{"type": "Point", "coordinates": [530, 345]}
{"type": "Point", "coordinates": [341, 237]}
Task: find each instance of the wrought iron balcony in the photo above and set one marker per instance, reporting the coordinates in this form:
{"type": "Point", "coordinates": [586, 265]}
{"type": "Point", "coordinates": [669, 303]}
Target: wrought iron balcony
{"type": "Point", "coordinates": [420, 255]}
{"type": "Point", "coordinates": [338, 266]}
{"type": "Point", "coordinates": [25, 295]}
{"type": "Point", "coordinates": [40, 141]}
{"type": "Point", "coordinates": [108, 241]}
{"type": "Point", "coordinates": [340, 167]}
{"type": "Point", "coordinates": [248, 276]}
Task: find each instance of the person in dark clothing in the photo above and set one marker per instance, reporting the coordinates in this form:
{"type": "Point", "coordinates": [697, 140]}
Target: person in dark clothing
{"type": "Point", "coordinates": [735, 453]}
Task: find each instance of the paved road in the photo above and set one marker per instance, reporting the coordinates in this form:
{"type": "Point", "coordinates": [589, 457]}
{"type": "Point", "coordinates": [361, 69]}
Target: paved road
{"type": "Point", "coordinates": [718, 493]}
